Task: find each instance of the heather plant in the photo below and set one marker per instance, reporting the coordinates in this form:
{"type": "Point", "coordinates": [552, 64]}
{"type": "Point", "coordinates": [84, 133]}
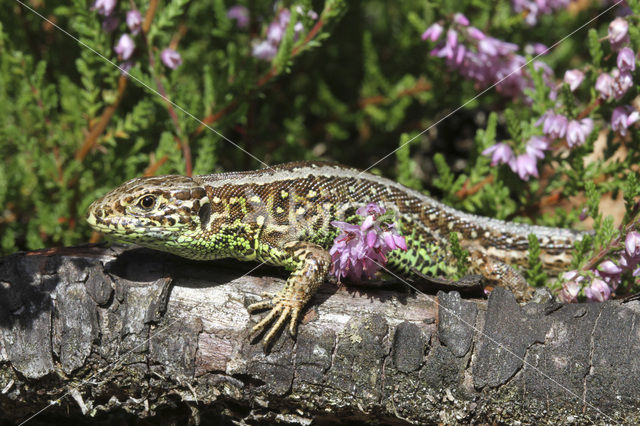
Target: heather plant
{"type": "Point", "coordinates": [522, 122]}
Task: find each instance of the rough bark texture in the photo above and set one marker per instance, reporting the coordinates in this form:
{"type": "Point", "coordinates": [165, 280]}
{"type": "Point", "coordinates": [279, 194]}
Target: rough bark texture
{"type": "Point", "coordinates": [114, 334]}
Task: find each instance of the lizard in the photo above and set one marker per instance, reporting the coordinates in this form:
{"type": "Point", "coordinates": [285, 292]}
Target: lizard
{"type": "Point", "coordinates": [281, 215]}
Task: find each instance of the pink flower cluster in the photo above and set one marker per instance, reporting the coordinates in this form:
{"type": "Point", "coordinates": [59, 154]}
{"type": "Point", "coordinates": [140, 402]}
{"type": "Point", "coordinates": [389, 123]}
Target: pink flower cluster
{"type": "Point", "coordinates": [557, 126]}
{"type": "Point", "coordinates": [481, 58]}
{"type": "Point", "coordinates": [125, 47]}
{"type": "Point", "coordinates": [534, 8]}
{"type": "Point", "coordinates": [525, 164]}
{"type": "Point", "coordinates": [601, 282]}
{"type": "Point", "coordinates": [360, 250]}
{"type": "Point", "coordinates": [609, 86]}
{"type": "Point", "coordinates": [267, 49]}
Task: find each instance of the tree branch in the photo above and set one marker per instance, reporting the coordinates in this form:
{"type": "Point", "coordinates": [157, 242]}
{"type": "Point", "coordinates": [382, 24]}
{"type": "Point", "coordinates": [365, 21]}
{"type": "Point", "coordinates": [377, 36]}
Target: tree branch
{"type": "Point", "coordinates": [117, 333]}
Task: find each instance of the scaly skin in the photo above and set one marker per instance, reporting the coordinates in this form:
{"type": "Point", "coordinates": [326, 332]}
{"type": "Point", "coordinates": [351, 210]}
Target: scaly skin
{"type": "Point", "coordinates": [281, 216]}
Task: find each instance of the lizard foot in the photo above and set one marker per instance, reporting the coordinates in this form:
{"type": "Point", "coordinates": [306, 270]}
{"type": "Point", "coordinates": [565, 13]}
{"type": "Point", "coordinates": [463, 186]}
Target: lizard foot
{"type": "Point", "coordinates": [281, 309]}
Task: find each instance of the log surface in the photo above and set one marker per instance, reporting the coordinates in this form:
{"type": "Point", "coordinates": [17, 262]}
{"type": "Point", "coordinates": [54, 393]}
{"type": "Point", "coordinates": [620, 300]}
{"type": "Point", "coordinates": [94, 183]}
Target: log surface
{"type": "Point", "coordinates": [125, 334]}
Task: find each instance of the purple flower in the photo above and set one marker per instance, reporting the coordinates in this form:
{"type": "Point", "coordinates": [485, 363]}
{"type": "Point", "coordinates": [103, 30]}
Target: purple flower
{"type": "Point", "coordinates": [618, 33]}
{"type": "Point", "coordinates": [360, 249]}
{"type": "Point", "coordinates": [525, 166]}
{"type": "Point", "coordinates": [483, 59]}
{"type": "Point", "coordinates": [502, 153]}
{"type": "Point", "coordinates": [571, 287]}
{"type": "Point", "coordinates": [110, 23]}
{"type": "Point", "coordinates": [584, 213]}
{"type": "Point", "coordinates": [573, 78]}
{"type": "Point", "coordinates": [125, 67]}
{"type": "Point", "coordinates": [604, 85]}
{"type": "Point", "coordinates": [371, 209]}
{"type": "Point", "coordinates": [622, 81]}
{"type": "Point", "coordinates": [460, 19]}
{"type": "Point", "coordinates": [622, 118]}
{"type": "Point", "coordinates": [534, 8]}
{"type": "Point", "coordinates": [170, 58]}
{"type": "Point", "coordinates": [610, 273]}
{"type": "Point", "coordinates": [475, 33]}
{"type": "Point", "coordinates": [433, 32]}
{"type": "Point", "coordinates": [264, 50]}
{"type": "Point", "coordinates": [536, 146]}
{"type": "Point", "coordinates": [553, 125]}
{"type": "Point", "coordinates": [632, 245]}
{"type": "Point", "coordinates": [104, 7]}
{"type": "Point", "coordinates": [125, 47]}
{"type": "Point", "coordinates": [240, 14]}
{"type": "Point", "coordinates": [598, 291]}
{"type": "Point", "coordinates": [577, 131]}
{"type": "Point", "coordinates": [540, 49]}
{"type": "Point", "coordinates": [569, 293]}
{"type": "Point", "coordinates": [134, 21]}
{"type": "Point", "coordinates": [626, 59]}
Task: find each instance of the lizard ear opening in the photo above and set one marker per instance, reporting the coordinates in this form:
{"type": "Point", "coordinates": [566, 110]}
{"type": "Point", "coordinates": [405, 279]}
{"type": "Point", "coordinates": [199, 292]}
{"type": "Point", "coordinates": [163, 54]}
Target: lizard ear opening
{"type": "Point", "coordinates": [205, 215]}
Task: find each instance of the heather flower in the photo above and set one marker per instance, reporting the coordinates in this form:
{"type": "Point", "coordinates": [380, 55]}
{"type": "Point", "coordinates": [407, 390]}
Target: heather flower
{"type": "Point", "coordinates": [475, 33]}
{"type": "Point", "coordinates": [604, 85]}
{"type": "Point", "coordinates": [134, 21]}
{"type": "Point", "coordinates": [571, 286]}
{"type": "Point", "coordinates": [460, 19]}
{"type": "Point", "coordinates": [622, 81]}
{"type": "Point", "coordinates": [449, 48]}
{"type": "Point", "coordinates": [536, 49]}
{"type": "Point", "coordinates": [632, 245]}
{"type": "Point", "coordinates": [125, 47]}
{"type": "Point", "coordinates": [622, 118]}
{"type": "Point", "coordinates": [433, 32]}
{"type": "Point", "coordinates": [268, 48]}
{"type": "Point", "coordinates": [536, 146]}
{"type": "Point", "coordinates": [360, 249]}
{"type": "Point", "coordinates": [500, 153]}
{"type": "Point", "coordinates": [525, 166]}
{"type": "Point", "coordinates": [626, 59]}
{"type": "Point", "coordinates": [532, 9]}
{"type": "Point", "coordinates": [276, 31]}
{"type": "Point", "coordinates": [110, 23]}
{"type": "Point", "coordinates": [570, 291]}
{"type": "Point", "coordinates": [125, 67]}
{"type": "Point", "coordinates": [553, 125]}
{"type": "Point", "coordinates": [264, 50]}
{"type": "Point", "coordinates": [598, 291]}
{"type": "Point", "coordinates": [584, 213]}
{"type": "Point", "coordinates": [371, 209]}
{"type": "Point", "coordinates": [578, 131]}
{"type": "Point", "coordinates": [104, 7]}
{"type": "Point", "coordinates": [240, 14]}
{"type": "Point", "coordinates": [170, 58]}
{"type": "Point", "coordinates": [483, 59]}
{"type": "Point", "coordinates": [573, 78]}
{"type": "Point", "coordinates": [610, 273]}
{"type": "Point", "coordinates": [618, 33]}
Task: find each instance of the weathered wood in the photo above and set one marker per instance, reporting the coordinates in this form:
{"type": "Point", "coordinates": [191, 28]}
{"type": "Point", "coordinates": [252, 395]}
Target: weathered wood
{"type": "Point", "coordinates": [125, 334]}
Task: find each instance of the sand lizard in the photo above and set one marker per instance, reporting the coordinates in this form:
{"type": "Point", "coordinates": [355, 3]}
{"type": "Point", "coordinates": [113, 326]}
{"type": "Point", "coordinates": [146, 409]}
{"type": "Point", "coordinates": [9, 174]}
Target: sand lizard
{"type": "Point", "coordinates": [281, 215]}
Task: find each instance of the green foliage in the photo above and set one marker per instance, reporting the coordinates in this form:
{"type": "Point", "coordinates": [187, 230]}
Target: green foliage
{"type": "Point", "coordinates": [535, 275]}
{"type": "Point", "coordinates": [406, 167]}
{"type": "Point", "coordinates": [461, 255]}
{"type": "Point", "coordinates": [595, 47]}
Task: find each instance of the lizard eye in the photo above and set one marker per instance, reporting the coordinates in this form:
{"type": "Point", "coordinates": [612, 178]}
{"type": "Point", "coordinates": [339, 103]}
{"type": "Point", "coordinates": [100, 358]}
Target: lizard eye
{"type": "Point", "coordinates": [147, 202]}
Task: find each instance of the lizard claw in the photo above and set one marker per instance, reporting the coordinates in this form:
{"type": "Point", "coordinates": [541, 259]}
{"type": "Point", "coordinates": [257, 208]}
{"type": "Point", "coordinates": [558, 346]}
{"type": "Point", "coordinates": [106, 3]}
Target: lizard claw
{"type": "Point", "coordinates": [280, 312]}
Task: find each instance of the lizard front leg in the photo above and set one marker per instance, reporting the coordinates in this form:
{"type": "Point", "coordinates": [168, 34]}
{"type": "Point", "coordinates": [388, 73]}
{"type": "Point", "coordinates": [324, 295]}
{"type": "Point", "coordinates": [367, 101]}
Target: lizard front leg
{"type": "Point", "coordinates": [312, 264]}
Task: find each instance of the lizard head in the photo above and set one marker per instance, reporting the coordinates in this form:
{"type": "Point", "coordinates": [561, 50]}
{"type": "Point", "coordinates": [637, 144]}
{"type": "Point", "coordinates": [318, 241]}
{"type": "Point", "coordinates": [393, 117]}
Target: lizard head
{"type": "Point", "coordinates": [152, 211]}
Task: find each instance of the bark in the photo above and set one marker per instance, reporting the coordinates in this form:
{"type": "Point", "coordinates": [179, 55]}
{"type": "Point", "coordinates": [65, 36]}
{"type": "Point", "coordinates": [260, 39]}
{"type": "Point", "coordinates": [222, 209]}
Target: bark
{"type": "Point", "coordinates": [120, 334]}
